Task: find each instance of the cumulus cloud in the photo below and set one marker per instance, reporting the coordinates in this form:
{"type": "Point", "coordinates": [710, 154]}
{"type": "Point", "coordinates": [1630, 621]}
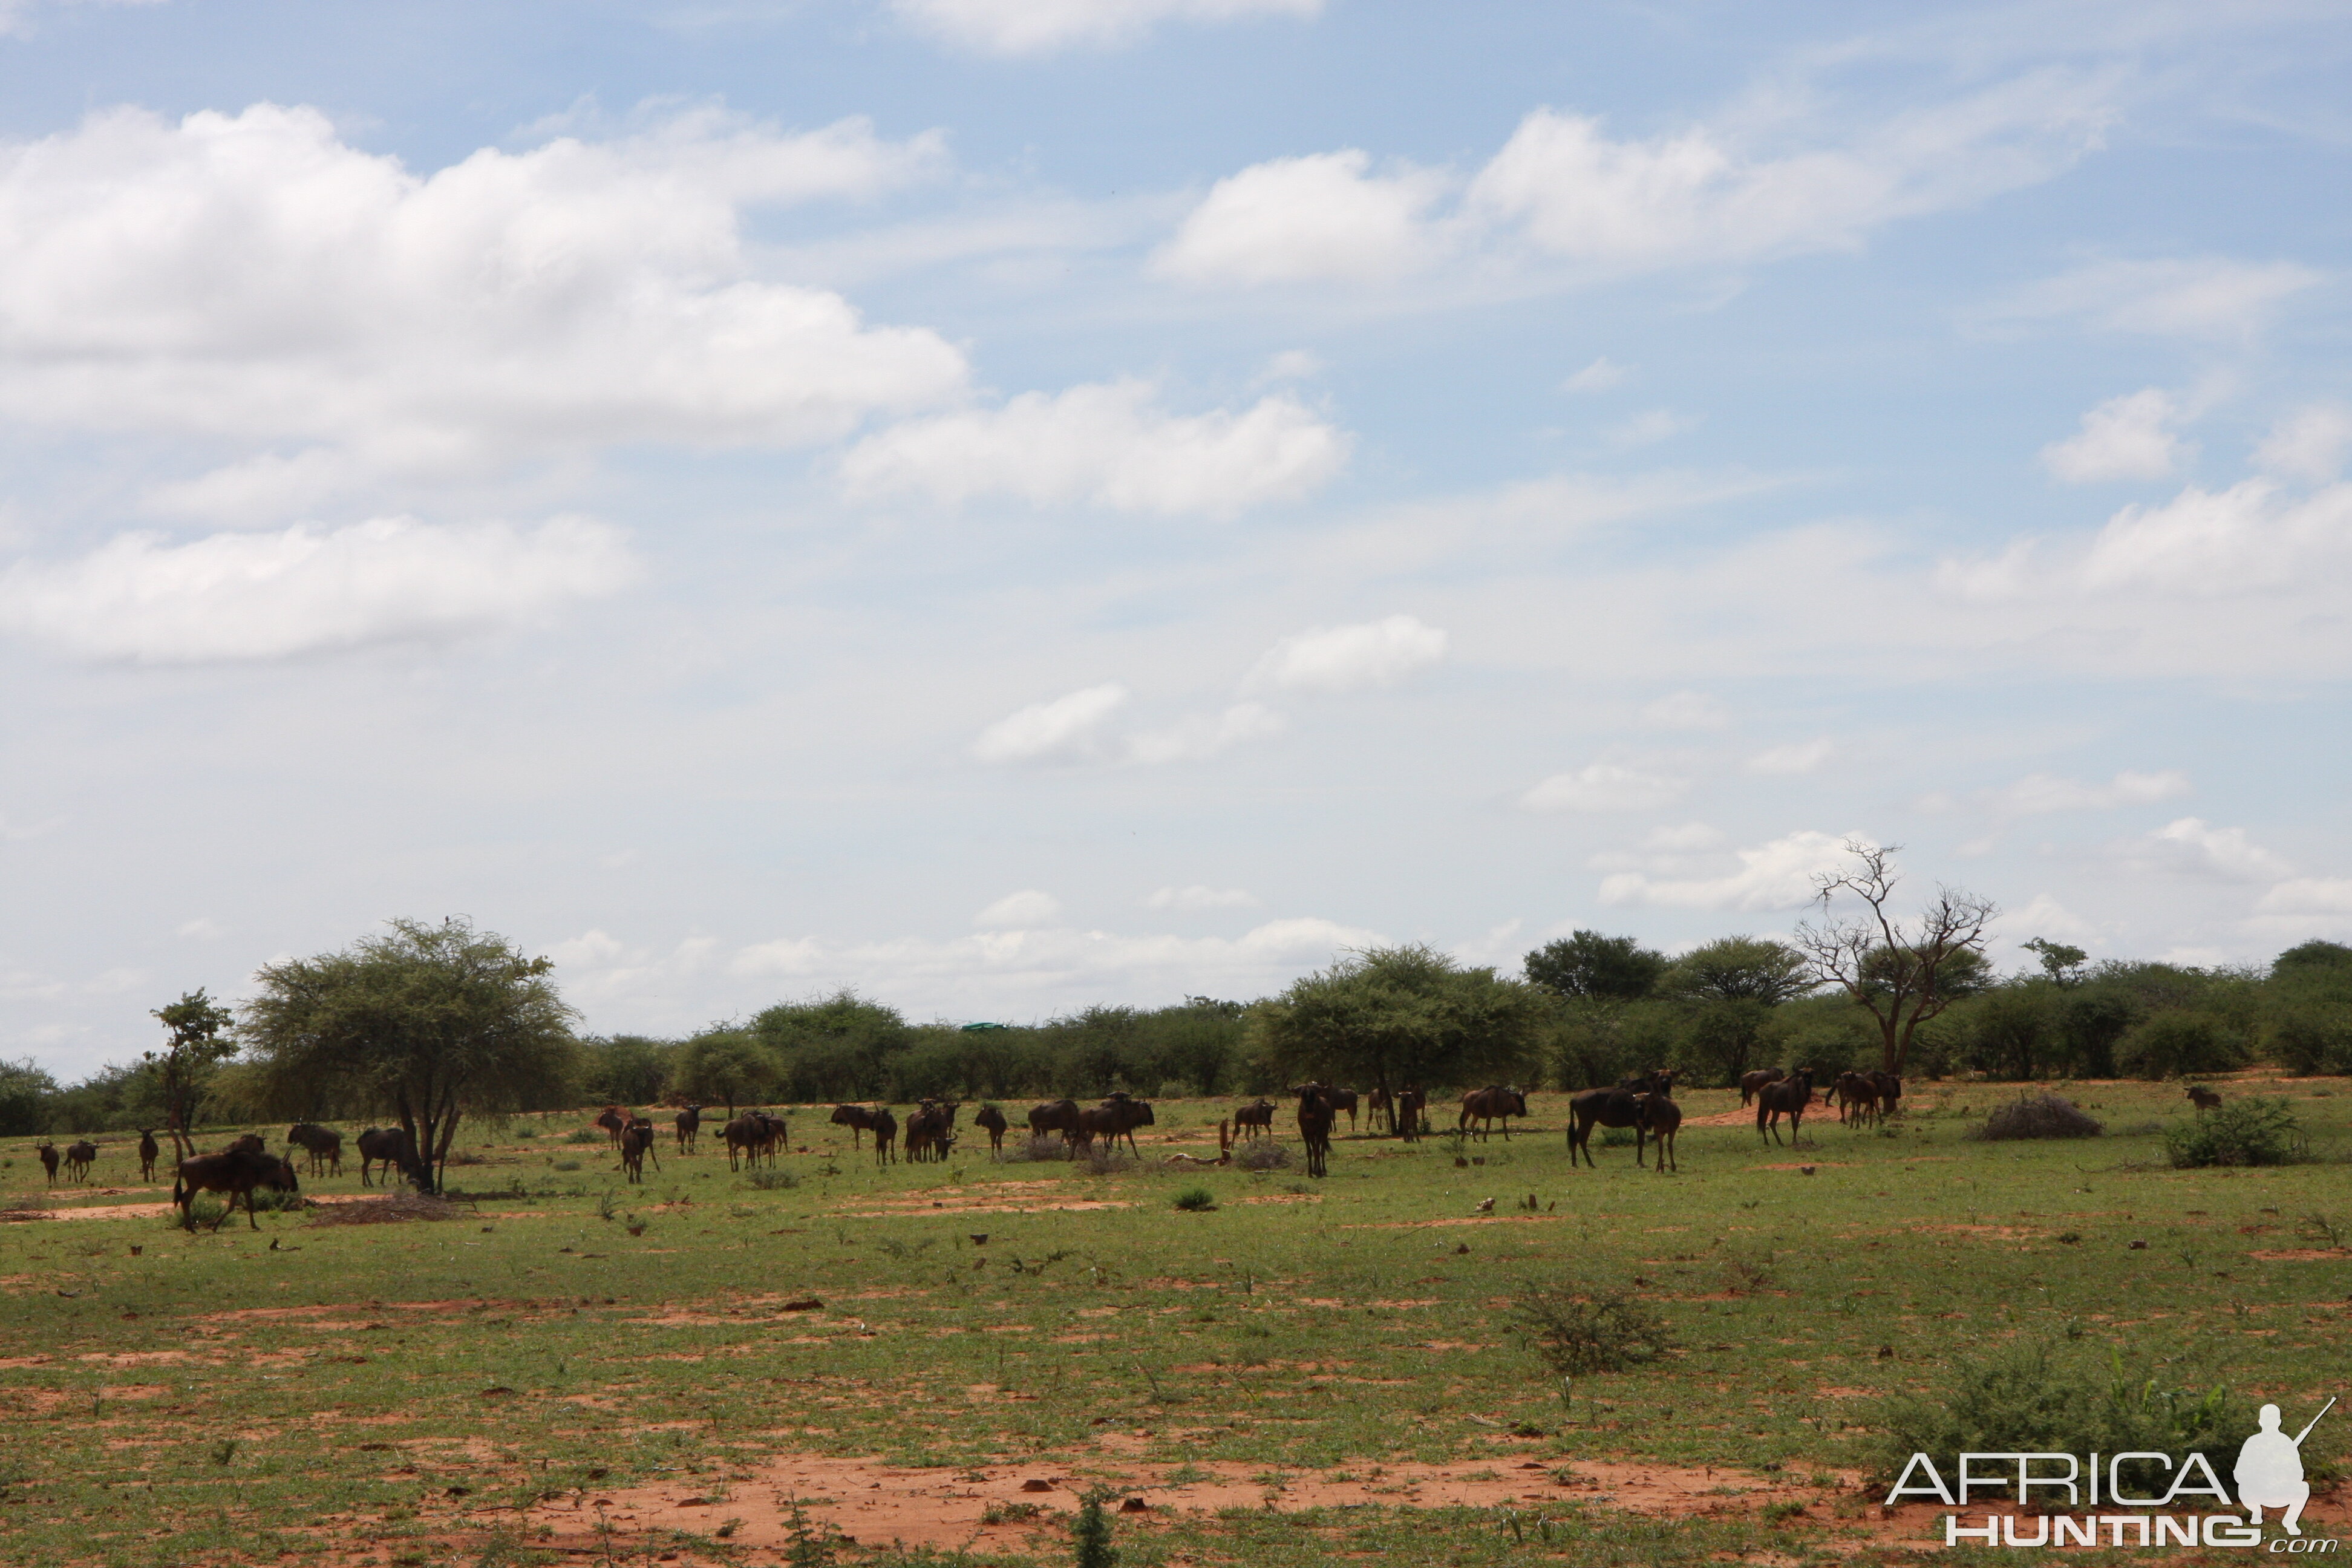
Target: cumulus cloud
{"type": "Point", "coordinates": [1041, 27]}
{"type": "Point", "coordinates": [1065, 728]}
{"type": "Point", "coordinates": [2040, 793]}
{"type": "Point", "coordinates": [1317, 218]}
{"type": "Point", "coordinates": [1604, 786]}
{"type": "Point", "coordinates": [1107, 444]}
{"type": "Point", "coordinates": [2210, 296]}
{"type": "Point", "coordinates": [1028, 908]}
{"type": "Point", "coordinates": [1200, 736]}
{"type": "Point", "coordinates": [1198, 897]}
{"type": "Point", "coordinates": [1797, 757]}
{"type": "Point", "coordinates": [1349, 657]}
{"type": "Point", "coordinates": [1775, 876]}
{"type": "Point", "coordinates": [2308, 896]}
{"type": "Point", "coordinates": [2125, 437]}
{"type": "Point", "coordinates": [2192, 847]}
{"type": "Point", "coordinates": [308, 589]}
{"type": "Point", "coordinates": [254, 277]}
{"type": "Point", "coordinates": [2309, 444]}
{"type": "Point", "coordinates": [2253, 537]}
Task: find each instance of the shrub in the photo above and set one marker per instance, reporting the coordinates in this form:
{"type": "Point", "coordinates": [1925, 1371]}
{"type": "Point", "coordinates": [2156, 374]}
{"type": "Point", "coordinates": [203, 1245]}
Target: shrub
{"type": "Point", "coordinates": [1599, 1331]}
{"type": "Point", "coordinates": [1196, 1200]}
{"type": "Point", "coordinates": [770, 1181]}
{"type": "Point", "coordinates": [2176, 1041]}
{"type": "Point", "coordinates": [2249, 1131]}
{"type": "Point", "coordinates": [1104, 1160]}
{"type": "Point", "coordinates": [2026, 1401]}
{"type": "Point", "coordinates": [584, 1135]}
{"type": "Point", "coordinates": [269, 1200]}
{"type": "Point", "coordinates": [1092, 1532]}
{"type": "Point", "coordinates": [2037, 1116]}
{"type": "Point", "coordinates": [1049, 1147]}
{"type": "Point", "coordinates": [522, 1134]}
{"type": "Point", "coordinates": [1262, 1154]}
{"type": "Point", "coordinates": [567, 1164]}
{"type": "Point", "coordinates": [205, 1211]}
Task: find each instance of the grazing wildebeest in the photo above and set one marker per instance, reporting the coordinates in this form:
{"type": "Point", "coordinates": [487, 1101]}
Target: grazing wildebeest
{"type": "Point", "coordinates": [885, 1129]}
{"type": "Point", "coordinates": [1749, 1082]}
{"type": "Point", "coordinates": [387, 1146]}
{"type": "Point", "coordinates": [636, 1143]}
{"type": "Point", "coordinates": [149, 1153]}
{"type": "Point", "coordinates": [689, 1127]}
{"type": "Point", "coordinates": [1255, 1119]}
{"type": "Point", "coordinates": [1659, 1118]}
{"type": "Point", "coordinates": [1056, 1116]}
{"type": "Point", "coordinates": [857, 1117]}
{"type": "Point", "coordinates": [1789, 1098]}
{"type": "Point", "coordinates": [323, 1145]}
{"type": "Point", "coordinates": [251, 1143]}
{"type": "Point", "coordinates": [236, 1173]}
{"type": "Point", "coordinates": [614, 1122]}
{"type": "Point", "coordinates": [1314, 1117]}
{"type": "Point", "coordinates": [78, 1155]}
{"type": "Point", "coordinates": [2205, 1098]}
{"type": "Point", "coordinates": [1483, 1105]}
{"type": "Point", "coordinates": [991, 1121]}
{"type": "Point", "coordinates": [48, 1153]}
{"type": "Point", "coordinates": [1618, 1107]}
{"type": "Point", "coordinates": [1126, 1114]}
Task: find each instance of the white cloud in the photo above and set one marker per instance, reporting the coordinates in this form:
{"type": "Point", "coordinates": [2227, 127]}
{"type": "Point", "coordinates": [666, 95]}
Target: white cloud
{"type": "Point", "coordinates": [2211, 297]}
{"type": "Point", "coordinates": [2192, 847]}
{"type": "Point", "coordinates": [1310, 219]}
{"type": "Point", "coordinates": [1598, 376]}
{"type": "Point", "coordinates": [1604, 786]}
{"type": "Point", "coordinates": [1349, 657]}
{"type": "Point", "coordinates": [1687, 710]}
{"type": "Point", "coordinates": [2309, 896]}
{"type": "Point", "coordinates": [2039, 792]}
{"type": "Point", "coordinates": [1041, 27]}
{"type": "Point", "coordinates": [1197, 898]}
{"type": "Point", "coordinates": [1690, 836]}
{"type": "Point", "coordinates": [2310, 444]}
{"type": "Point", "coordinates": [1291, 364]}
{"type": "Point", "coordinates": [2046, 916]}
{"type": "Point", "coordinates": [254, 277]}
{"type": "Point", "coordinates": [308, 589]}
{"type": "Point", "coordinates": [1105, 444]}
{"type": "Point", "coordinates": [2125, 438]}
{"type": "Point", "coordinates": [2203, 542]}
{"type": "Point", "coordinates": [1774, 876]}
{"type": "Point", "coordinates": [1797, 757]}
{"type": "Point", "coordinates": [1022, 911]}
{"type": "Point", "coordinates": [1064, 729]}
{"type": "Point", "coordinates": [1201, 736]}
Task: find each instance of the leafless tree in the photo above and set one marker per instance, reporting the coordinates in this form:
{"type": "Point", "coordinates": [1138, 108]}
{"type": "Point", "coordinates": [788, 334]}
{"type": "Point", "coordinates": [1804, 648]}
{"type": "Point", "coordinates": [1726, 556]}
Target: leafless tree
{"type": "Point", "coordinates": [1902, 974]}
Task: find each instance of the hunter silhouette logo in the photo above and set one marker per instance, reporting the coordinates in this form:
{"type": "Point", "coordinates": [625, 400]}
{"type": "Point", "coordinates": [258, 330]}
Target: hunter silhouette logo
{"type": "Point", "coordinates": [2269, 1470]}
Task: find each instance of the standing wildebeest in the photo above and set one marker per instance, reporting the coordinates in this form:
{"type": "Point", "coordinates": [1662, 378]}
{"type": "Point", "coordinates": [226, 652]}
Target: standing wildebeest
{"type": "Point", "coordinates": [48, 1153]}
{"type": "Point", "coordinates": [323, 1145]}
{"type": "Point", "coordinates": [886, 1137]}
{"type": "Point", "coordinates": [991, 1121]}
{"type": "Point", "coordinates": [1890, 1091]}
{"type": "Point", "coordinates": [149, 1153]}
{"type": "Point", "coordinates": [78, 1155]}
{"type": "Point", "coordinates": [1056, 1116]}
{"type": "Point", "coordinates": [636, 1143]}
{"type": "Point", "coordinates": [1749, 1082]}
{"type": "Point", "coordinates": [1659, 1118]}
{"type": "Point", "coordinates": [1343, 1100]}
{"type": "Point", "coordinates": [930, 1130]}
{"type": "Point", "coordinates": [857, 1117]}
{"type": "Point", "coordinates": [1483, 1105]}
{"type": "Point", "coordinates": [1618, 1107]}
{"type": "Point", "coordinates": [614, 1122]}
{"type": "Point", "coordinates": [689, 1127]}
{"type": "Point", "coordinates": [1126, 1114]}
{"type": "Point", "coordinates": [236, 1172]}
{"type": "Point", "coordinates": [2205, 1098]}
{"type": "Point", "coordinates": [1412, 1112]}
{"type": "Point", "coordinates": [1857, 1097]}
{"type": "Point", "coordinates": [1255, 1119]}
{"type": "Point", "coordinates": [387, 1146]}
{"type": "Point", "coordinates": [1315, 1115]}
{"type": "Point", "coordinates": [744, 1136]}
{"type": "Point", "coordinates": [1786, 1097]}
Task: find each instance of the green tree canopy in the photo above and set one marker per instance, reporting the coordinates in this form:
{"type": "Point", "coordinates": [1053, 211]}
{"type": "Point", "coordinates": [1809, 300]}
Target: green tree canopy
{"type": "Point", "coordinates": [1401, 1016]}
{"type": "Point", "coordinates": [1725, 994]}
{"type": "Point", "coordinates": [1600, 968]}
{"type": "Point", "coordinates": [727, 1066]}
{"type": "Point", "coordinates": [26, 1093]}
{"type": "Point", "coordinates": [199, 1041]}
{"type": "Point", "coordinates": [832, 1047]}
{"type": "Point", "coordinates": [429, 1023]}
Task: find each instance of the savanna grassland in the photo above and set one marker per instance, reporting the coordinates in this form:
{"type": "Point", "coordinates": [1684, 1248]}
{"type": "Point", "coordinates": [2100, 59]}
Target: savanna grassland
{"type": "Point", "coordinates": [578, 1370]}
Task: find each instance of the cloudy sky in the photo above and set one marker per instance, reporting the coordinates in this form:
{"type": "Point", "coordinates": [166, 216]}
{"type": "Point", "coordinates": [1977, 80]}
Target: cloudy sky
{"type": "Point", "coordinates": [1012, 503]}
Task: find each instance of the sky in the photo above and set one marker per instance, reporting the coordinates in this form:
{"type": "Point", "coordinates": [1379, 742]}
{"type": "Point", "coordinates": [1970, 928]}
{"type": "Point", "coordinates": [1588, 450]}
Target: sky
{"type": "Point", "coordinates": [1007, 505]}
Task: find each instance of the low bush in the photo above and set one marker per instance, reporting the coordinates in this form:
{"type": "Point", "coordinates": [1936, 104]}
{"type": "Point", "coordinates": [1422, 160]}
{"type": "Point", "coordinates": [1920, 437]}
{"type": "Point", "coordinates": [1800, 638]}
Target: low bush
{"type": "Point", "coordinates": [2037, 1116]}
{"type": "Point", "coordinates": [1049, 1147]}
{"type": "Point", "coordinates": [2175, 1042]}
{"type": "Point", "coordinates": [1196, 1200]}
{"type": "Point", "coordinates": [584, 1135]}
{"type": "Point", "coordinates": [567, 1164]}
{"type": "Point", "coordinates": [1261, 1154]}
{"type": "Point", "coordinates": [2249, 1131]}
{"type": "Point", "coordinates": [1104, 1160]}
{"type": "Point", "coordinates": [1580, 1330]}
{"type": "Point", "coordinates": [771, 1180]}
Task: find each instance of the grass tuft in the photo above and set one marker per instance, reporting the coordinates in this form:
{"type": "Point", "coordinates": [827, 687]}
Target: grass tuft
{"type": "Point", "coordinates": [1196, 1200]}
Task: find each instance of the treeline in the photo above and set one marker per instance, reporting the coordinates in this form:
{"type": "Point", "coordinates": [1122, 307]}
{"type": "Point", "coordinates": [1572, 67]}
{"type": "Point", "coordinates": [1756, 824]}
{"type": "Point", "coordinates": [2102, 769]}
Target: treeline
{"type": "Point", "coordinates": [1585, 1010]}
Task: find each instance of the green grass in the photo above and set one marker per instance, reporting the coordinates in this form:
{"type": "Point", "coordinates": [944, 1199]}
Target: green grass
{"type": "Point", "coordinates": [1290, 1329]}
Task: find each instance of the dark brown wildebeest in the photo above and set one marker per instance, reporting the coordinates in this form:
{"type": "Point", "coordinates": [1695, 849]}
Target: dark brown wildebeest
{"type": "Point", "coordinates": [991, 1121]}
{"type": "Point", "coordinates": [1343, 1100]}
{"type": "Point", "coordinates": [1856, 1097]}
{"type": "Point", "coordinates": [1315, 1115]}
{"type": "Point", "coordinates": [1749, 1082]}
{"type": "Point", "coordinates": [149, 1153]}
{"type": "Point", "coordinates": [236, 1173]}
{"type": "Point", "coordinates": [323, 1145]}
{"type": "Point", "coordinates": [2205, 1098]}
{"type": "Point", "coordinates": [857, 1117]}
{"type": "Point", "coordinates": [1789, 1098]}
{"type": "Point", "coordinates": [1412, 1112]}
{"type": "Point", "coordinates": [78, 1155]}
{"type": "Point", "coordinates": [251, 1143]}
{"type": "Point", "coordinates": [930, 1130]}
{"type": "Point", "coordinates": [1126, 1114]}
{"type": "Point", "coordinates": [777, 1130]}
{"type": "Point", "coordinates": [1056, 1116]}
{"type": "Point", "coordinates": [744, 1136]}
{"type": "Point", "coordinates": [614, 1122]}
{"type": "Point", "coordinates": [48, 1153]}
{"type": "Point", "coordinates": [636, 1143]}
{"type": "Point", "coordinates": [1890, 1091]}
{"type": "Point", "coordinates": [1379, 1102]}
{"type": "Point", "coordinates": [1483, 1105]}
{"type": "Point", "coordinates": [885, 1129]}
{"type": "Point", "coordinates": [1255, 1120]}
{"type": "Point", "coordinates": [386, 1146]}
{"type": "Point", "coordinates": [1618, 1107]}
{"type": "Point", "coordinates": [1659, 1118]}
{"type": "Point", "coordinates": [689, 1127]}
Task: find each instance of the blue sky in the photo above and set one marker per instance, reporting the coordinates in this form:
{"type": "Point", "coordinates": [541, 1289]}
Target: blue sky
{"type": "Point", "coordinates": [1006, 504]}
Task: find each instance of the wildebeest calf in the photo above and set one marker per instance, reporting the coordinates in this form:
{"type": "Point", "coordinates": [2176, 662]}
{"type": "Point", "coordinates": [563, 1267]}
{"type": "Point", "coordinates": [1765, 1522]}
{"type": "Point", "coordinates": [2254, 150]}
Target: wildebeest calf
{"type": "Point", "coordinates": [149, 1153]}
{"type": "Point", "coordinates": [1749, 1082]}
{"type": "Point", "coordinates": [1255, 1120]}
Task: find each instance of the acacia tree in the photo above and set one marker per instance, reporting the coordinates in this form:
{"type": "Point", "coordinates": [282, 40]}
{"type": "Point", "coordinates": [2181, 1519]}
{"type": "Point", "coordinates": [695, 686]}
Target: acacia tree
{"type": "Point", "coordinates": [729, 1065]}
{"type": "Point", "coordinates": [199, 1042]}
{"type": "Point", "coordinates": [428, 1023]}
{"type": "Point", "coordinates": [1725, 991]}
{"type": "Point", "coordinates": [1902, 972]}
{"type": "Point", "coordinates": [1400, 1016]}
